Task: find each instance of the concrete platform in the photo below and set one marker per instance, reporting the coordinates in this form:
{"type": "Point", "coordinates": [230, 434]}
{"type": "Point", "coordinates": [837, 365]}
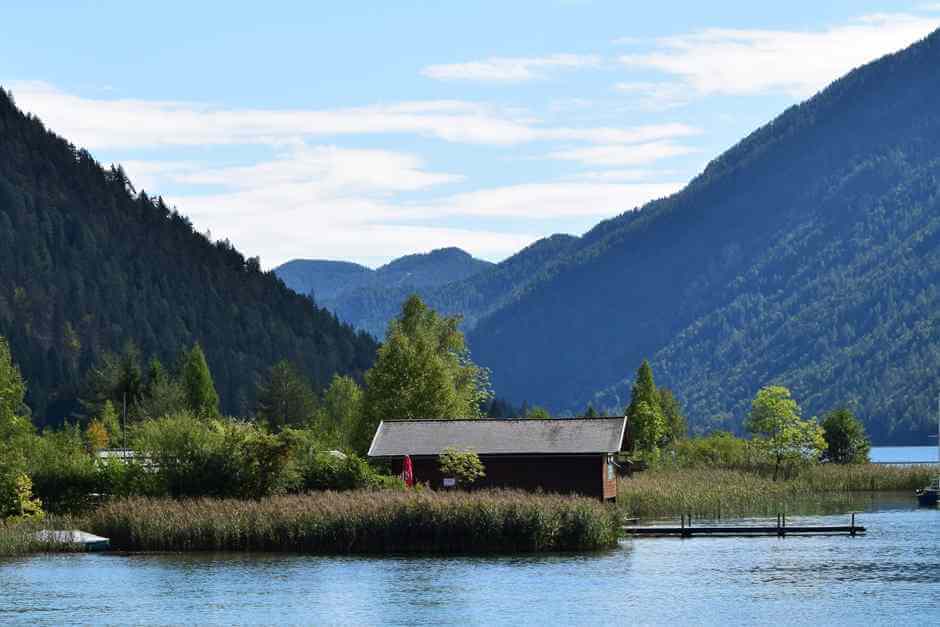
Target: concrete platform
{"type": "Point", "coordinates": [88, 541]}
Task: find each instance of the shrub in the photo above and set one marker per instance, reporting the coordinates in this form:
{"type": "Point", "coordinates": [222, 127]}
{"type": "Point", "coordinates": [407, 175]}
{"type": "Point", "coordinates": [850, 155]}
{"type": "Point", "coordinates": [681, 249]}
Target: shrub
{"type": "Point", "coordinates": [196, 457]}
{"type": "Point", "coordinates": [64, 474]}
{"type": "Point", "coordinates": [464, 466]}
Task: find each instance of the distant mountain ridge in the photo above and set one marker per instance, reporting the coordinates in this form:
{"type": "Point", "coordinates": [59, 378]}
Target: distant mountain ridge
{"type": "Point", "coordinates": [449, 280]}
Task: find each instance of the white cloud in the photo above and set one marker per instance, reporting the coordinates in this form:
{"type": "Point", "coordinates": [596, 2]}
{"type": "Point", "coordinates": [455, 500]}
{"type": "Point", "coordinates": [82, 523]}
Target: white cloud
{"type": "Point", "coordinates": [629, 175]}
{"type": "Point", "coordinates": [509, 69]}
{"type": "Point", "coordinates": [551, 200]}
{"type": "Point", "coordinates": [131, 123]}
{"type": "Point", "coordinates": [798, 63]}
{"type": "Point", "coordinates": [656, 96]}
{"type": "Point", "coordinates": [329, 168]}
{"type": "Point", "coordinates": [621, 155]}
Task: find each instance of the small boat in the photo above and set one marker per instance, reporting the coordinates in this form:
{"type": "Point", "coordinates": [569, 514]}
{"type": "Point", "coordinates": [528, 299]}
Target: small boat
{"type": "Point", "coordinates": [927, 497]}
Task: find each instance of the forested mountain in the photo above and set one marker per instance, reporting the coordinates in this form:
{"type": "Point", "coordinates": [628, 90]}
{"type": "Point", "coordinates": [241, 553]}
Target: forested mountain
{"type": "Point", "coordinates": [807, 255]}
{"type": "Point", "coordinates": [87, 264]}
{"type": "Point", "coordinates": [332, 283]}
{"type": "Point", "coordinates": [445, 280]}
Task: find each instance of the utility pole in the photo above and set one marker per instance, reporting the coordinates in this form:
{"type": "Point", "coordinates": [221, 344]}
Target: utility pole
{"type": "Point", "coordinates": [124, 428]}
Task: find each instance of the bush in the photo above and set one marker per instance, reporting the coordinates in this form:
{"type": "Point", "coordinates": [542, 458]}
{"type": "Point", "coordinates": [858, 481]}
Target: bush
{"type": "Point", "coordinates": [717, 450]}
{"type": "Point", "coordinates": [464, 466]}
{"type": "Point", "coordinates": [197, 457]}
{"type": "Point", "coordinates": [64, 474]}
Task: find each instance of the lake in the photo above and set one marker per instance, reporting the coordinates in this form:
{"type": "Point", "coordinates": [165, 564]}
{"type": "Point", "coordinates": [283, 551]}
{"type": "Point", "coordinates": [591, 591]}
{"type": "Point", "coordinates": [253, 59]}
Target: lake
{"type": "Point", "coordinates": [892, 575]}
{"type": "Point", "coordinates": [897, 454]}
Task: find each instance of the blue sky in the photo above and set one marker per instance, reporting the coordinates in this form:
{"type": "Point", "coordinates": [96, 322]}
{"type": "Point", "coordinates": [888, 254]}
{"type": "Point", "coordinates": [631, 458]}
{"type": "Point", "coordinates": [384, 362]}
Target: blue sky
{"type": "Point", "coordinates": [368, 130]}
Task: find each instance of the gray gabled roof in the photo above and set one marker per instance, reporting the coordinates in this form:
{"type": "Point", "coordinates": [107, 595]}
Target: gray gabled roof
{"type": "Point", "coordinates": [396, 438]}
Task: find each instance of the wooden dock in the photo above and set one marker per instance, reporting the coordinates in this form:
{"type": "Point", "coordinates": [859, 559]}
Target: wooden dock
{"type": "Point", "coordinates": [781, 529]}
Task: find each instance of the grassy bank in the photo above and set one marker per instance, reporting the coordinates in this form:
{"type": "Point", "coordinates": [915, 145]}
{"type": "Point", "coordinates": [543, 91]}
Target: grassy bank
{"type": "Point", "coordinates": [718, 492]}
{"type": "Point", "coordinates": [361, 522]}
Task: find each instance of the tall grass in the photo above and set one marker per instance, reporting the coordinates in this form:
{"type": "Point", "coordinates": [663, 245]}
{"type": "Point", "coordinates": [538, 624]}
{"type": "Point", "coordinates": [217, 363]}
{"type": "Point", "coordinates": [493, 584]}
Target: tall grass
{"type": "Point", "coordinates": [720, 492]}
{"type": "Point", "coordinates": [20, 538]}
{"type": "Point", "coordinates": [372, 522]}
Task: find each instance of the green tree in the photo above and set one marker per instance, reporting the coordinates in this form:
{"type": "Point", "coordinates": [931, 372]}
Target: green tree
{"type": "Point", "coordinates": [198, 387]}
{"type": "Point", "coordinates": [538, 412]}
{"type": "Point", "coordinates": [16, 498]}
{"type": "Point", "coordinates": [649, 427]}
{"type": "Point", "coordinates": [779, 431]}
{"type": "Point", "coordinates": [110, 420]}
{"type": "Point", "coordinates": [464, 466]}
{"type": "Point", "coordinates": [676, 424]}
{"type": "Point", "coordinates": [285, 399]}
{"type": "Point", "coordinates": [645, 417]}
{"type": "Point", "coordinates": [341, 411]}
{"type": "Point", "coordinates": [163, 394]}
{"type": "Point", "coordinates": [423, 370]}
{"type": "Point", "coordinates": [116, 378]}
{"type": "Point", "coordinates": [846, 440]}
{"type": "Point", "coordinates": [590, 412]}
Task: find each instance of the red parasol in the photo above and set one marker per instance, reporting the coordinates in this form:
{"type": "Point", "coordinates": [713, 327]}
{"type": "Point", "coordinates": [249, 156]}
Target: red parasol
{"type": "Point", "coordinates": [408, 472]}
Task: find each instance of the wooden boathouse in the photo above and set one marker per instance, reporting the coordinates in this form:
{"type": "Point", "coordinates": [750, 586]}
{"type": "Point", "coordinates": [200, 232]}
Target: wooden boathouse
{"type": "Point", "coordinates": [565, 456]}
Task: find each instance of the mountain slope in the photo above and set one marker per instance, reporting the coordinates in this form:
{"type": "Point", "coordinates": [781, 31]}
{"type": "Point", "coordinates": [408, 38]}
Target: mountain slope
{"type": "Point", "coordinates": [86, 266]}
{"type": "Point", "coordinates": [474, 295]}
{"type": "Point", "coordinates": [807, 255]}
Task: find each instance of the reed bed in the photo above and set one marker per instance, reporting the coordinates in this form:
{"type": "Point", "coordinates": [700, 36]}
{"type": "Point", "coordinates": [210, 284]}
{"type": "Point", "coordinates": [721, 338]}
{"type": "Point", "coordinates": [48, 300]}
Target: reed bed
{"type": "Point", "coordinates": [366, 522]}
{"type": "Point", "coordinates": [726, 493]}
{"type": "Point", "coordinates": [20, 538]}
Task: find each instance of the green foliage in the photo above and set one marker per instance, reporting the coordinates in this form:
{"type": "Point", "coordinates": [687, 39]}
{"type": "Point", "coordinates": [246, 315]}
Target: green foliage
{"type": "Point", "coordinates": [654, 415]}
{"type": "Point", "coordinates": [115, 379]}
{"type": "Point", "coordinates": [332, 470]}
{"type": "Point", "coordinates": [88, 265]}
{"type": "Point", "coordinates": [285, 399]}
{"type": "Point", "coordinates": [716, 450]}
{"type": "Point", "coordinates": [649, 426]}
{"type": "Point", "coordinates": [779, 431]}
{"type": "Point", "coordinates": [111, 423]}
{"type": "Point", "coordinates": [367, 522]}
{"type": "Point", "coordinates": [64, 473]}
{"type": "Point", "coordinates": [198, 386]}
{"type": "Point", "coordinates": [423, 370]}
{"type": "Point", "coordinates": [464, 466]}
{"type": "Point", "coordinates": [16, 497]}
{"type": "Point", "coordinates": [163, 395]}
{"type": "Point", "coordinates": [846, 441]}
{"type": "Point", "coordinates": [195, 457]}
{"type": "Point", "coordinates": [676, 425]}
{"type": "Point", "coordinates": [15, 434]}
{"type": "Point", "coordinates": [539, 413]}
{"type": "Point", "coordinates": [341, 412]}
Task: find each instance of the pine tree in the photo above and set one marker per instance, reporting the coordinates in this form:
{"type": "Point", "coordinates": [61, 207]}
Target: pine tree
{"type": "Point", "coordinates": [198, 387]}
{"type": "Point", "coordinates": [285, 399]}
{"type": "Point", "coordinates": [645, 417]}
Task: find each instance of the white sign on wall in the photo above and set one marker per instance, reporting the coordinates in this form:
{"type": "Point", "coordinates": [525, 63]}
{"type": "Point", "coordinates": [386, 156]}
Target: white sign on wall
{"type": "Point", "coordinates": [450, 482]}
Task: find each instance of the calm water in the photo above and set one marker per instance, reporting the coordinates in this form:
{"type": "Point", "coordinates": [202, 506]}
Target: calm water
{"type": "Point", "coordinates": [890, 576]}
{"type": "Point", "coordinates": [903, 454]}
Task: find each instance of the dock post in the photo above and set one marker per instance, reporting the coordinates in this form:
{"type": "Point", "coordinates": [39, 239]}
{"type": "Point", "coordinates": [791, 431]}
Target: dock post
{"type": "Point", "coordinates": [852, 531]}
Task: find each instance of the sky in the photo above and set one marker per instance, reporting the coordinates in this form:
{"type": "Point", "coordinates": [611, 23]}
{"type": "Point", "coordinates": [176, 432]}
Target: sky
{"type": "Point", "coordinates": [363, 131]}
